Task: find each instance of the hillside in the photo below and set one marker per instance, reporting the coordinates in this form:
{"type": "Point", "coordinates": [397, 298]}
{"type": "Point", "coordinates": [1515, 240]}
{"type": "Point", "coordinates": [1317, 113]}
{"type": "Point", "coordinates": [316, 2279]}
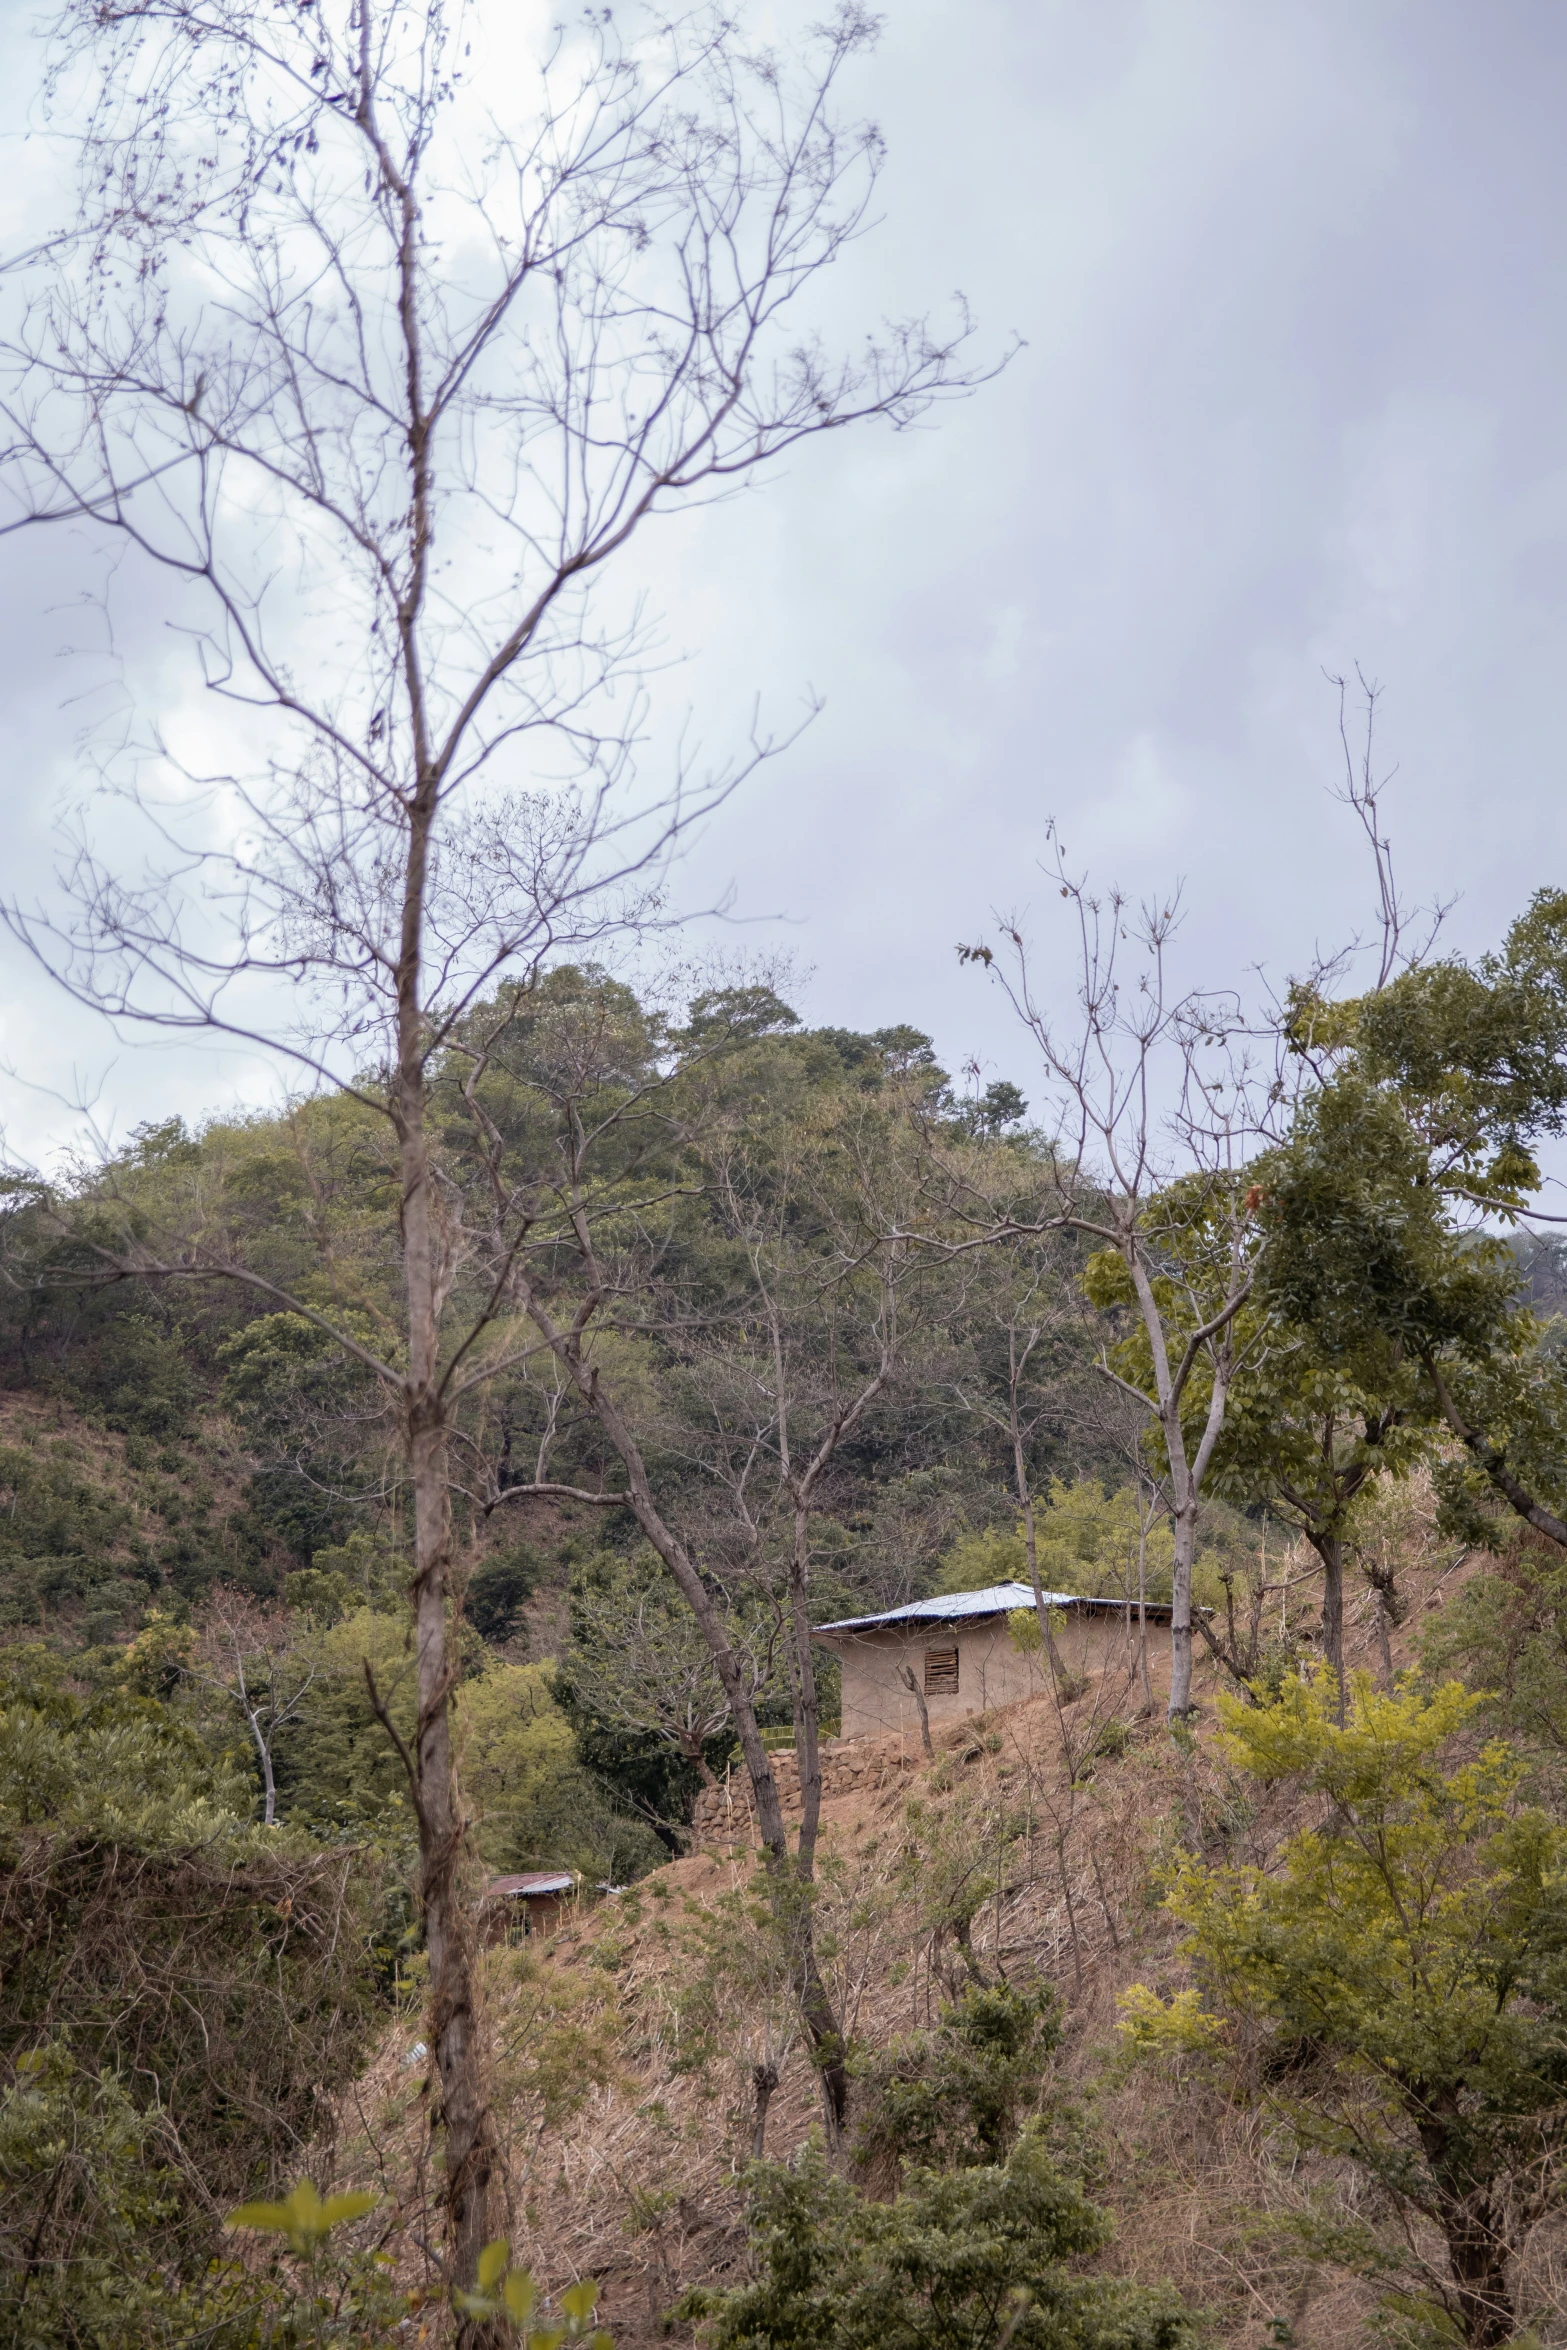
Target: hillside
{"type": "Point", "coordinates": [627, 2045]}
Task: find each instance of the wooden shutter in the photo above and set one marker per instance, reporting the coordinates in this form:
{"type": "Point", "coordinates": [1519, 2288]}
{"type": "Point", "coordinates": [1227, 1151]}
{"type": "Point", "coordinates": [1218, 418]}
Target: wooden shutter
{"type": "Point", "coordinates": [941, 1672]}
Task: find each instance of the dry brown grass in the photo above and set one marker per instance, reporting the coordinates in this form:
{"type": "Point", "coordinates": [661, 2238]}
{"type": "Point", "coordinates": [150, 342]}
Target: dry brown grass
{"type": "Point", "coordinates": [635, 2176]}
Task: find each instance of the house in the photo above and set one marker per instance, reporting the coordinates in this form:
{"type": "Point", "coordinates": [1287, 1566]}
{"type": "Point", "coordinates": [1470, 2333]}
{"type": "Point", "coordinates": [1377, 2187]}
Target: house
{"type": "Point", "coordinates": [529, 1904]}
{"type": "Point", "coordinates": [956, 1654]}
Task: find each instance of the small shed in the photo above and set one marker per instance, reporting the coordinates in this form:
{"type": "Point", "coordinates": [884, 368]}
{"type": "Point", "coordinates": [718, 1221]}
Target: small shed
{"type": "Point", "coordinates": [960, 1657]}
{"type": "Point", "coordinates": [526, 1904]}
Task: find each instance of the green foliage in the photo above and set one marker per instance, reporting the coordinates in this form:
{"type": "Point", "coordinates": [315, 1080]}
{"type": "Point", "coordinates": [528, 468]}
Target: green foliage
{"type": "Point", "coordinates": [1190, 1236]}
{"type": "Point", "coordinates": [129, 1873]}
{"type": "Point", "coordinates": [498, 1589]}
{"type": "Point", "coordinates": [1408, 1961]}
{"type": "Point", "coordinates": [84, 2189]}
{"type": "Point", "coordinates": [328, 2295]}
{"type": "Point", "coordinates": [304, 2217]}
{"type": "Point", "coordinates": [1086, 1538]}
{"type": "Point", "coordinates": [338, 1772]}
{"type": "Point", "coordinates": [537, 1806]}
{"type": "Point", "coordinates": [364, 1571]}
{"type": "Point", "coordinates": [67, 1542]}
{"type": "Point", "coordinates": [956, 2095]}
{"type": "Point", "coordinates": [137, 1374]}
{"type": "Point", "coordinates": [968, 2260]}
{"type": "Point", "coordinates": [1305, 1440]}
{"type": "Point", "coordinates": [508, 2297]}
{"type": "Point", "coordinates": [110, 1768]}
{"type": "Point", "coordinates": [1430, 1097]}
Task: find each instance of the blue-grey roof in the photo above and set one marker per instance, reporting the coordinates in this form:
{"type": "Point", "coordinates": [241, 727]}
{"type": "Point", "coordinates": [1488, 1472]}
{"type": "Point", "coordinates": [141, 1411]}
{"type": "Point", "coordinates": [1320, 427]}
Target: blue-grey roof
{"type": "Point", "coordinates": [999, 1599]}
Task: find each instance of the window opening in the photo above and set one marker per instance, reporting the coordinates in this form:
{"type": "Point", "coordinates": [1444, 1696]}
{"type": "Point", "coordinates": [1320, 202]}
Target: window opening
{"type": "Point", "coordinates": [941, 1672]}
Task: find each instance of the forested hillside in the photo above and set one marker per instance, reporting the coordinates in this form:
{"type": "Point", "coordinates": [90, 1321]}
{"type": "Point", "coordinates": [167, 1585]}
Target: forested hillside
{"type": "Point", "coordinates": [194, 1476]}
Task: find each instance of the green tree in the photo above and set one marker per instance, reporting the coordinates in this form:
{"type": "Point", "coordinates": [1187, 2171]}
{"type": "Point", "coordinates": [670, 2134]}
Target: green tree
{"type": "Point", "coordinates": [1416, 1137]}
{"type": "Point", "coordinates": [1305, 1442]}
{"type": "Point", "coordinates": [1089, 1537]}
{"type": "Point", "coordinates": [537, 1807]}
{"type": "Point", "coordinates": [1504, 1632]}
{"type": "Point", "coordinates": [1407, 1960]}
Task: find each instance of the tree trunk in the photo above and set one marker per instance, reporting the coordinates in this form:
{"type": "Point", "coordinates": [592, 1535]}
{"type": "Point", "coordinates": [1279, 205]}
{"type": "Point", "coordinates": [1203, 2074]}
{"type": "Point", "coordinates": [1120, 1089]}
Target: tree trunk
{"type": "Point", "coordinates": [1383, 1601]}
{"type": "Point", "coordinates": [963, 1936]}
{"type": "Point", "coordinates": [1477, 2258]}
{"type": "Point", "coordinates": [911, 1681]}
{"type": "Point", "coordinates": [453, 2030]}
{"type": "Point", "coordinates": [268, 1782]}
{"type": "Point", "coordinates": [791, 1891]}
{"type": "Point", "coordinates": [1142, 1612]}
{"type": "Point", "coordinates": [764, 2080]}
{"type": "Point", "coordinates": [807, 1736]}
{"type": "Point", "coordinates": [1478, 2252]}
{"type": "Point", "coordinates": [1184, 1528]}
{"type": "Point", "coordinates": [454, 2026]}
{"type": "Point", "coordinates": [1330, 1550]}
{"type": "Point", "coordinates": [1060, 1680]}
{"type": "Point", "coordinates": [815, 2001]}
{"type": "Point", "coordinates": [1481, 2286]}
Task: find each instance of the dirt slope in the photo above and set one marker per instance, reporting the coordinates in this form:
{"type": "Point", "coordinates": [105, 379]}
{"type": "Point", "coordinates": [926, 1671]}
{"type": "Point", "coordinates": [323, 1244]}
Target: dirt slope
{"type": "Point", "coordinates": [627, 2046]}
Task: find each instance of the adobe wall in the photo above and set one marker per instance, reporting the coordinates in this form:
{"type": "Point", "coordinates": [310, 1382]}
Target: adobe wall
{"type": "Point", "coordinates": [992, 1669]}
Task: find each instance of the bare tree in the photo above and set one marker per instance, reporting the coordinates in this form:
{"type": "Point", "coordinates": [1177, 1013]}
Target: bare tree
{"type": "Point", "coordinates": [1030, 1312]}
{"type": "Point", "coordinates": [244, 1654]}
{"type": "Point", "coordinates": [371, 386]}
{"type": "Point", "coordinates": [829, 1313]}
{"type": "Point", "coordinates": [1157, 1105]}
{"type": "Point", "coordinates": [1154, 1113]}
{"type": "Point", "coordinates": [727, 1455]}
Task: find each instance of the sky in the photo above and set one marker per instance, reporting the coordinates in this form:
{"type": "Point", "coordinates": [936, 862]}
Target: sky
{"type": "Point", "coordinates": [1293, 318]}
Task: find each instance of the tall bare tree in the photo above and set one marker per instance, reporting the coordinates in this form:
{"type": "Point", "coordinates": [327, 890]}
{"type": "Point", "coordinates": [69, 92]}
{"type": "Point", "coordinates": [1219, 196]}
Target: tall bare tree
{"type": "Point", "coordinates": [1151, 1114]}
{"type": "Point", "coordinates": [1035, 1299]}
{"type": "Point", "coordinates": [366, 373]}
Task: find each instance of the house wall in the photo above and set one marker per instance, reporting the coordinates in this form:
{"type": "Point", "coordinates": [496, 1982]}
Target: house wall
{"type": "Point", "coordinates": [992, 1670]}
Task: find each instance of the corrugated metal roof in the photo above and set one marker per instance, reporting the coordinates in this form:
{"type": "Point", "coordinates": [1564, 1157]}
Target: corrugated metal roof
{"type": "Point", "coordinates": [532, 1881]}
{"type": "Point", "coordinates": [998, 1599]}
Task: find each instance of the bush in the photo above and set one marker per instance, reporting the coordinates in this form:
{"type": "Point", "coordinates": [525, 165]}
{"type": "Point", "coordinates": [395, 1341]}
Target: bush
{"type": "Point", "coordinates": [956, 2095]}
{"type": "Point", "coordinates": [129, 1880]}
{"type": "Point", "coordinates": [966, 2260]}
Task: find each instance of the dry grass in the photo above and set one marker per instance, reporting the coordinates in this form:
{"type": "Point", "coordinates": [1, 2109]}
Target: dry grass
{"type": "Point", "coordinates": [628, 2122]}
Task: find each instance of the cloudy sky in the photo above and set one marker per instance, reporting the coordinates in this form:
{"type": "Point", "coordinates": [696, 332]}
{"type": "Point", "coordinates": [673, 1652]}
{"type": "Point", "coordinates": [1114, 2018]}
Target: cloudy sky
{"type": "Point", "coordinates": [1287, 273]}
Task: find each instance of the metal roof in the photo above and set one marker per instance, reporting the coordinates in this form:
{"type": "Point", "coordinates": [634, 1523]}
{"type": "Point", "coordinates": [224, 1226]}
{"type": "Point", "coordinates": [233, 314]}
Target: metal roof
{"type": "Point", "coordinates": [533, 1881]}
{"type": "Point", "coordinates": [998, 1599]}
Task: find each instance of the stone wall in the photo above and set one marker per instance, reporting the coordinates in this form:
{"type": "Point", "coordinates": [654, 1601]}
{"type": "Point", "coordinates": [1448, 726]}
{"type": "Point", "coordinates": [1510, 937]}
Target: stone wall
{"type": "Point", "coordinates": [722, 1818]}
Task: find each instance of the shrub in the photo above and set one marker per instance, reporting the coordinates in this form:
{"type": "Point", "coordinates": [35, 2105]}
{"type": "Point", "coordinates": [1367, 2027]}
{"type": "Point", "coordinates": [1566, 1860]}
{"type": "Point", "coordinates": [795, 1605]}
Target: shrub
{"type": "Point", "coordinates": [965, 2260]}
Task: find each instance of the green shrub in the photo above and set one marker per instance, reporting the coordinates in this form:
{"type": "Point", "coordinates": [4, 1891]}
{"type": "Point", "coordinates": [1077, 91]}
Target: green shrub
{"type": "Point", "coordinates": [956, 2095]}
{"type": "Point", "coordinates": [964, 2260]}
